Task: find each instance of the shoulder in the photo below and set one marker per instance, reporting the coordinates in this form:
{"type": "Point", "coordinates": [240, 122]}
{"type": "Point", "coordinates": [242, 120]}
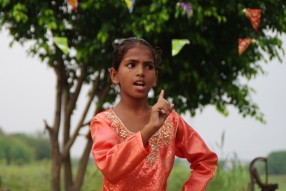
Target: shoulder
{"type": "Point", "coordinates": [103, 117]}
{"type": "Point", "coordinates": [173, 115]}
{"type": "Point", "coordinates": [173, 118]}
{"type": "Point", "coordinates": [179, 122]}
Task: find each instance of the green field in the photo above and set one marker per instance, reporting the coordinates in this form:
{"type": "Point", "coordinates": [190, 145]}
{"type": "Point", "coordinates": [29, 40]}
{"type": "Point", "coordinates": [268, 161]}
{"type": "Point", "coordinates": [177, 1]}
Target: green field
{"type": "Point", "coordinates": [36, 177]}
{"type": "Point", "coordinates": [280, 180]}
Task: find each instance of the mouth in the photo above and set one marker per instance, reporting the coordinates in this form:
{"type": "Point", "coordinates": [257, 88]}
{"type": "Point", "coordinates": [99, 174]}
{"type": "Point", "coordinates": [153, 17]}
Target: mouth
{"type": "Point", "coordinates": [139, 83]}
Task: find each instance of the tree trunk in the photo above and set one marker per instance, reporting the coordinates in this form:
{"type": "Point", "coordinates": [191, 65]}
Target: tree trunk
{"type": "Point", "coordinates": [65, 104]}
{"type": "Point", "coordinates": [59, 69]}
{"type": "Point", "coordinates": [56, 163]}
{"type": "Point", "coordinates": [68, 182]}
{"type": "Point", "coordinates": [82, 166]}
{"type": "Point", "coordinates": [70, 102]}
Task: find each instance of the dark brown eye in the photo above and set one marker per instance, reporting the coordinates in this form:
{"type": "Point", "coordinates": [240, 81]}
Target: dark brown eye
{"type": "Point", "coordinates": [130, 65]}
{"type": "Point", "coordinates": [150, 67]}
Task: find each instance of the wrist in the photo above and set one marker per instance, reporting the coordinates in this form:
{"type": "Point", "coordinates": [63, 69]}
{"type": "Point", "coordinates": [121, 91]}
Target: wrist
{"type": "Point", "coordinates": [146, 133]}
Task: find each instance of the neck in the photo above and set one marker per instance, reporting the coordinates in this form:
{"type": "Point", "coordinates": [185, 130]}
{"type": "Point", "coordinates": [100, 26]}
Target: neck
{"type": "Point", "coordinates": [134, 105]}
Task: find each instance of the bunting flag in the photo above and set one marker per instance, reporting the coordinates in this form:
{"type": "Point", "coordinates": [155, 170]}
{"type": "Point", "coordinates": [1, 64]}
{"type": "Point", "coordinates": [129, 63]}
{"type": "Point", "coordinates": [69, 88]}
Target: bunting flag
{"type": "Point", "coordinates": [130, 5]}
{"type": "Point", "coordinates": [73, 3]}
{"type": "Point", "coordinates": [187, 7]}
{"type": "Point", "coordinates": [254, 17]}
{"type": "Point", "coordinates": [62, 44]}
{"type": "Point", "coordinates": [243, 44]}
{"type": "Point", "coordinates": [117, 41]}
{"type": "Point", "coordinates": [178, 44]}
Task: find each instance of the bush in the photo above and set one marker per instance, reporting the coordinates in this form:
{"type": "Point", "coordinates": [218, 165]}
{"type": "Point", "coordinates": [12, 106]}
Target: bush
{"type": "Point", "coordinates": [277, 162]}
{"type": "Point", "coordinates": [20, 153]}
{"type": "Point", "coordinates": [21, 148]}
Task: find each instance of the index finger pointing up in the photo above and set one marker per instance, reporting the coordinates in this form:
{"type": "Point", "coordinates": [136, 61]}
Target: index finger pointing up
{"type": "Point", "coordinates": [161, 94]}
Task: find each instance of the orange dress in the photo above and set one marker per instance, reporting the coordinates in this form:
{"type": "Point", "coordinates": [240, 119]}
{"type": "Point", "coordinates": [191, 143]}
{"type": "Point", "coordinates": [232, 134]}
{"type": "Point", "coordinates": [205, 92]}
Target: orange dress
{"type": "Point", "coordinates": [129, 165]}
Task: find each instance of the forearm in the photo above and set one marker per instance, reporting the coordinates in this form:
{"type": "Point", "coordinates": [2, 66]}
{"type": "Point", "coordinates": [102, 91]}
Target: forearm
{"type": "Point", "coordinates": [203, 161]}
{"type": "Point", "coordinates": [122, 158]}
{"type": "Point", "coordinates": [202, 173]}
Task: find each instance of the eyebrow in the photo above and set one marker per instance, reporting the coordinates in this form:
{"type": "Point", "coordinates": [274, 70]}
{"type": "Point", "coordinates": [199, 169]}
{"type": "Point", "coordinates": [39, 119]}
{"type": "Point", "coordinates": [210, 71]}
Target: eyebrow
{"type": "Point", "coordinates": [145, 62]}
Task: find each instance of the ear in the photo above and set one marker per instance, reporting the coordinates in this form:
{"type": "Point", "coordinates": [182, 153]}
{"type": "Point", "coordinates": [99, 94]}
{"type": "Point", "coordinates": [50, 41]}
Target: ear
{"type": "Point", "coordinates": [156, 78]}
{"type": "Point", "coordinates": [113, 76]}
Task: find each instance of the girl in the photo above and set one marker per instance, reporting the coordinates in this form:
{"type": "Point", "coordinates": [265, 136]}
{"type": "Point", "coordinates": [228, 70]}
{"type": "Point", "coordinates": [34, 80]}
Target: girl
{"type": "Point", "coordinates": [134, 144]}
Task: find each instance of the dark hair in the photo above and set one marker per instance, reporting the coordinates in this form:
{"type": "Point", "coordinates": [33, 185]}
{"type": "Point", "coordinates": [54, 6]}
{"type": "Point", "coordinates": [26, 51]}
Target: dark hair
{"type": "Point", "coordinates": [129, 43]}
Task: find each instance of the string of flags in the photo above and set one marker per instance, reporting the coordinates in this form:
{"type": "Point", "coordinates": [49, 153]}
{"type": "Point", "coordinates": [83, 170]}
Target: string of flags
{"type": "Point", "coordinates": [178, 44]}
{"type": "Point", "coordinates": [188, 8]}
{"type": "Point", "coordinates": [62, 44]}
{"type": "Point", "coordinates": [254, 16]}
{"type": "Point", "coordinates": [243, 44]}
{"type": "Point", "coordinates": [74, 5]}
{"type": "Point", "coordinates": [130, 5]}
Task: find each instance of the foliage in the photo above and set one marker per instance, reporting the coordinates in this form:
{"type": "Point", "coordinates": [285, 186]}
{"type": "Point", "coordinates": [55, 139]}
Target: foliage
{"type": "Point", "coordinates": [210, 67]}
{"type": "Point", "coordinates": [14, 150]}
{"type": "Point", "coordinates": [22, 178]}
{"type": "Point", "coordinates": [277, 162]}
{"type": "Point", "coordinates": [230, 172]}
{"type": "Point", "coordinates": [31, 176]}
{"type": "Point", "coordinates": [230, 175]}
{"type": "Point", "coordinates": [278, 179]}
{"type": "Point", "coordinates": [19, 152]}
{"type": "Point", "coordinates": [208, 71]}
{"type": "Point", "coordinates": [38, 142]}
{"type": "Point", "coordinates": [22, 148]}
{"type": "Point", "coordinates": [178, 176]}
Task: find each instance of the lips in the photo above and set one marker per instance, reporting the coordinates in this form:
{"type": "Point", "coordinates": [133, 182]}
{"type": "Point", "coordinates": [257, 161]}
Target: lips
{"type": "Point", "coordinates": [139, 83]}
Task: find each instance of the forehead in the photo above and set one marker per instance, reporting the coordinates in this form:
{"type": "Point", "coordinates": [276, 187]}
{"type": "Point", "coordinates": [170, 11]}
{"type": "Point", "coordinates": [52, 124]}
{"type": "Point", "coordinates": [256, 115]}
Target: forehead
{"type": "Point", "coordinates": [139, 50]}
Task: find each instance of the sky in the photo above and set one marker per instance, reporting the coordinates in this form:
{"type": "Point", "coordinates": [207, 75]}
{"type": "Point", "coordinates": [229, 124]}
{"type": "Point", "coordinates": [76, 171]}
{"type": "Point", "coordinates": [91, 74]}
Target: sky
{"type": "Point", "coordinates": [27, 95]}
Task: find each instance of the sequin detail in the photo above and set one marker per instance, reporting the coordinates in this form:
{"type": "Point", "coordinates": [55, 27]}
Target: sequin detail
{"type": "Point", "coordinates": [156, 141]}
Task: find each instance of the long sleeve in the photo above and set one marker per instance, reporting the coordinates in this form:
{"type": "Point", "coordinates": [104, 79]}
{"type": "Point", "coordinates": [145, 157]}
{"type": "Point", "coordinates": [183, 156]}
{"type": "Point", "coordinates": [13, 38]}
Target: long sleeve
{"type": "Point", "coordinates": [115, 159]}
{"type": "Point", "coordinates": [203, 161]}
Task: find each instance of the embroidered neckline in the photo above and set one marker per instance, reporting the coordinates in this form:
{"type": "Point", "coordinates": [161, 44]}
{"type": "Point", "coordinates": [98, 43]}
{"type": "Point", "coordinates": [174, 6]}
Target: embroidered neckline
{"type": "Point", "coordinates": [162, 138]}
{"type": "Point", "coordinates": [123, 125]}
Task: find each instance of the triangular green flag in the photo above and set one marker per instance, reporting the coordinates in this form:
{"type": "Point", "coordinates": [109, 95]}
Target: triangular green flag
{"type": "Point", "coordinates": [62, 43]}
{"type": "Point", "coordinates": [178, 44]}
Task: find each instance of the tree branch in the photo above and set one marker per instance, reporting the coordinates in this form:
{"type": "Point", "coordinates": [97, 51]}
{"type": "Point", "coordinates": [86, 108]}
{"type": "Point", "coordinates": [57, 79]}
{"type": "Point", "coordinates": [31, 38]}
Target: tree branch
{"type": "Point", "coordinates": [47, 127]}
{"type": "Point", "coordinates": [72, 101]}
{"type": "Point", "coordinates": [59, 69]}
{"type": "Point", "coordinates": [82, 166]}
{"type": "Point", "coordinates": [68, 145]}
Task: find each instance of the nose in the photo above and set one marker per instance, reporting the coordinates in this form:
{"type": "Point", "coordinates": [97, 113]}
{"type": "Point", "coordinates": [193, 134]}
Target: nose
{"type": "Point", "coordinates": [140, 70]}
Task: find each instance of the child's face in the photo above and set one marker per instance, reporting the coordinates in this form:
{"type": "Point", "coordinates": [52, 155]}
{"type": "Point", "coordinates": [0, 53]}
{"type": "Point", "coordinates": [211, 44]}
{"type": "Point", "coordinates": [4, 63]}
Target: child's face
{"type": "Point", "coordinates": [136, 74]}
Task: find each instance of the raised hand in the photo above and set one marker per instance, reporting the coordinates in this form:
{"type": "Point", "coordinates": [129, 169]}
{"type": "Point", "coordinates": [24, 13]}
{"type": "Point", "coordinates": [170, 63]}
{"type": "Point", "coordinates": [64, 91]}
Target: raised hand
{"type": "Point", "coordinates": [159, 113]}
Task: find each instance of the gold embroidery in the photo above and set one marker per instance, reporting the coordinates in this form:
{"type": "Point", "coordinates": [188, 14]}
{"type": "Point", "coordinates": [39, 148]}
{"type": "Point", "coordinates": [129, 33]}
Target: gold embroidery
{"type": "Point", "coordinates": [156, 142]}
{"type": "Point", "coordinates": [117, 124]}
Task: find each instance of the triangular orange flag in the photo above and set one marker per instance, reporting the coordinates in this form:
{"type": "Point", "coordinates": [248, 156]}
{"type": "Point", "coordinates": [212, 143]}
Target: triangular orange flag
{"type": "Point", "coordinates": [73, 4]}
{"type": "Point", "coordinates": [254, 17]}
{"type": "Point", "coordinates": [243, 44]}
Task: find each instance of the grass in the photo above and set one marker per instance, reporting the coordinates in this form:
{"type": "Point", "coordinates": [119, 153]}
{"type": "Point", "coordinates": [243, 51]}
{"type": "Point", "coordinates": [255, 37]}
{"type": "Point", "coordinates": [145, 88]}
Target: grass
{"type": "Point", "coordinates": [35, 176]}
{"type": "Point", "coordinates": [29, 177]}
{"type": "Point", "coordinates": [278, 179]}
